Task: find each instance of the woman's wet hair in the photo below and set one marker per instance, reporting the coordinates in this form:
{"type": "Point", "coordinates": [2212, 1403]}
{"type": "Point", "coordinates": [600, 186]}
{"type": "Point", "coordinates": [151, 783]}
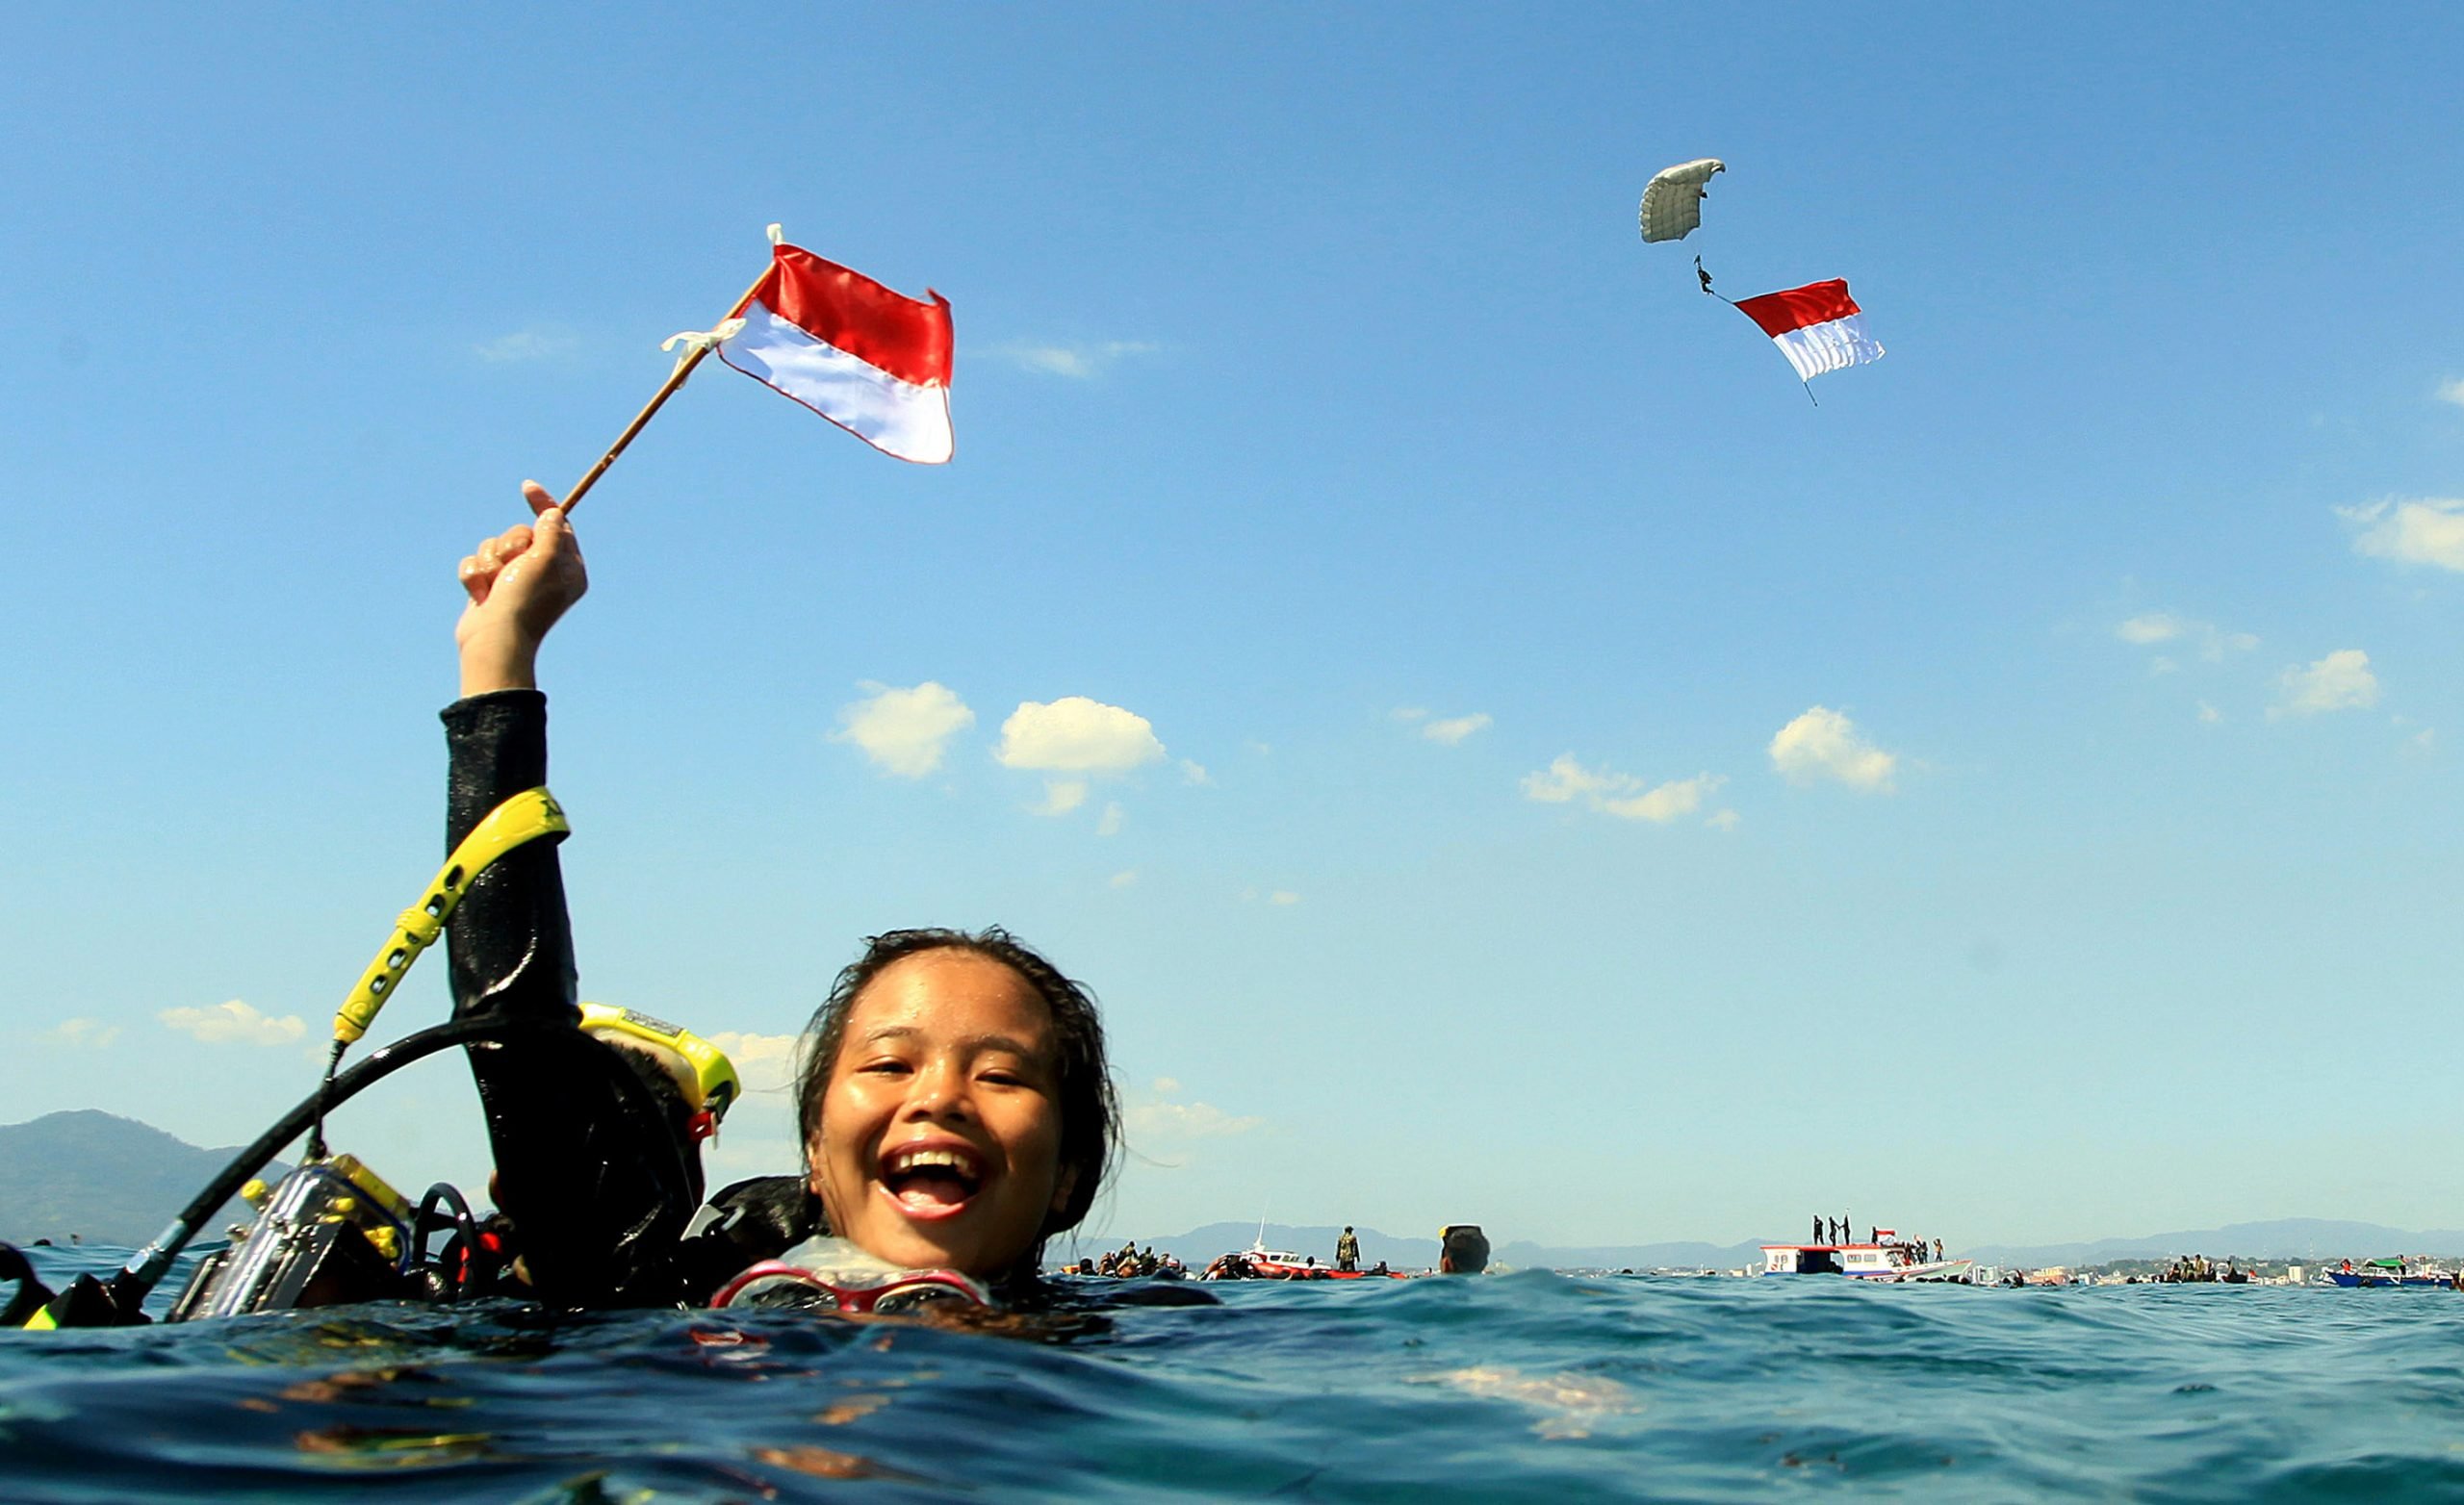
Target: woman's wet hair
{"type": "Point", "coordinates": [1083, 1082]}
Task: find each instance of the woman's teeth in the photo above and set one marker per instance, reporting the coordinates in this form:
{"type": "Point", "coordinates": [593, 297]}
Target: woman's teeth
{"type": "Point", "coordinates": [930, 1179]}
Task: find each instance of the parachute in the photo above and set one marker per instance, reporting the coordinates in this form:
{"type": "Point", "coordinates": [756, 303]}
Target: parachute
{"type": "Point", "coordinates": [1673, 202]}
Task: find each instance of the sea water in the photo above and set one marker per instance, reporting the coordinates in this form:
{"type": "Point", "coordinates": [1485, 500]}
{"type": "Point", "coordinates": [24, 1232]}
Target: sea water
{"type": "Point", "coordinates": [1520, 1387]}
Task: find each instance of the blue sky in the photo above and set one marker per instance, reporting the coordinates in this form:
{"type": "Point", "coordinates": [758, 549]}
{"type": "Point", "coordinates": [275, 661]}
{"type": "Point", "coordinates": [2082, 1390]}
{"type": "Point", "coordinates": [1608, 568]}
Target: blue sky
{"type": "Point", "coordinates": [1585, 787]}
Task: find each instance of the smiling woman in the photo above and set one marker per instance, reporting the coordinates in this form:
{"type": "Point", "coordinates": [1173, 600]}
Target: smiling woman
{"type": "Point", "coordinates": [955, 1105]}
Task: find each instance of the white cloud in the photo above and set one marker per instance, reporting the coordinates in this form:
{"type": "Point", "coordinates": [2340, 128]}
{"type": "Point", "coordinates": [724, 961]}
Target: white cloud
{"type": "Point", "coordinates": [763, 1062]}
{"type": "Point", "coordinates": [527, 344]}
{"type": "Point", "coordinates": [1454, 729]}
{"type": "Point", "coordinates": [1186, 1121]}
{"type": "Point", "coordinates": [2340, 681]}
{"type": "Point", "coordinates": [904, 731]}
{"type": "Point", "coordinates": [1061, 796]}
{"type": "Point", "coordinates": [760, 1135]}
{"type": "Point", "coordinates": [1447, 729]}
{"type": "Point", "coordinates": [1724, 820]}
{"type": "Point", "coordinates": [2208, 714]}
{"type": "Point", "coordinates": [1077, 735]}
{"type": "Point", "coordinates": [1193, 772]}
{"type": "Point", "coordinates": [80, 1033]}
{"type": "Point", "coordinates": [1126, 877]}
{"type": "Point", "coordinates": [1079, 362]}
{"type": "Point", "coordinates": [1622, 795]}
{"type": "Point", "coordinates": [2426, 531]}
{"type": "Point", "coordinates": [1158, 1116]}
{"type": "Point", "coordinates": [2156, 626]}
{"type": "Point", "coordinates": [1824, 744]}
{"type": "Point", "coordinates": [1109, 824]}
{"type": "Point", "coordinates": [2212, 641]}
{"type": "Point", "coordinates": [234, 1022]}
{"type": "Point", "coordinates": [2452, 392]}
{"type": "Point", "coordinates": [1565, 779]}
{"type": "Point", "coordinates": [1666, 803]}
{"type": "Point", "coordinates": [1283, 896]}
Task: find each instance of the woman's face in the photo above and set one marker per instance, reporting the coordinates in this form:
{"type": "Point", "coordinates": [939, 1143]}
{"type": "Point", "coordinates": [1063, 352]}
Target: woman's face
{"type": "Point", "coordinates": [940, 1123]}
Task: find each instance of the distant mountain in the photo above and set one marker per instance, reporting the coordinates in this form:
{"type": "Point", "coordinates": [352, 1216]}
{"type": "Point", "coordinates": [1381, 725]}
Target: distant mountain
{"type": "Point", "coordinates": [111, 1180]}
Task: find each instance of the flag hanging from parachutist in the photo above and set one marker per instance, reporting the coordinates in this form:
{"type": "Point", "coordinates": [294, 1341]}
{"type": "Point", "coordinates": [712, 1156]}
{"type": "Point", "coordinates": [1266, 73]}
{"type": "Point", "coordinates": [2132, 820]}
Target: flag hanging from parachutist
{"type": "Point", "coordinates": [1818, 328]}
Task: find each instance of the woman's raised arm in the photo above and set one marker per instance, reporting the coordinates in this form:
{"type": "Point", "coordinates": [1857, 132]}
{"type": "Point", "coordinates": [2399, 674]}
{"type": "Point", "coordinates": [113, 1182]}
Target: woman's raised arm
{"type": "Point", "coordinates": [597, 1180]}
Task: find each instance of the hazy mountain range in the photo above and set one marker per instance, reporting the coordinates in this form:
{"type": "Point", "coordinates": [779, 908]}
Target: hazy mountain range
{"type": "Point", "coordinates": [116, 1181]}
{"type": "Point", "coordinates": [108, 1178]}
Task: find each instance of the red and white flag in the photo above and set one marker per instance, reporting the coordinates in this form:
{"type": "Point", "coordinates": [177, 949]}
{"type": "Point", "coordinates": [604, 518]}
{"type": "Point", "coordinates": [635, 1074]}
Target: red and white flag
{"type": "Point", "coordinates": [872, 361]}
{"type": "Point", "coordinates": [1818, 326]}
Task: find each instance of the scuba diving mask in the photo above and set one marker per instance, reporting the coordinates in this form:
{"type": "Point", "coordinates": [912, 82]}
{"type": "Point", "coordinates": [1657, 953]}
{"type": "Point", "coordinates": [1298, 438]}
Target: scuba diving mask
{"type": "Point", "coordinates": [834, 1275]}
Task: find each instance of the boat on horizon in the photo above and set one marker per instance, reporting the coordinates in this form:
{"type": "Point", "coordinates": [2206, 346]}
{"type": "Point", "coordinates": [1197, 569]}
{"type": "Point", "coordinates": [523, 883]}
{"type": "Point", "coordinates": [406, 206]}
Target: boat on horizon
{"type": "Point", "coordinates": [2390, 1272]}
{"type": "Point", "coordinates": [1882, 1258]}
{"type": "Point", "coordinates": [1260, 1263]}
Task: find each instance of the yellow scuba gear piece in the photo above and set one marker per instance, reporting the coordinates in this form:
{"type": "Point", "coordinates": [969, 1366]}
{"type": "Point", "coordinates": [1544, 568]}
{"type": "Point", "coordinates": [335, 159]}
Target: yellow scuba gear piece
{"type": "Point", "coordinates": [714, 1085]}
{"type": "Point", "coordinates": [527, 817]}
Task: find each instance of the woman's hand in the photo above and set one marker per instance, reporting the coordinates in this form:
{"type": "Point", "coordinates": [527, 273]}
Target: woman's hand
{"type": "Point", "coordinates": [520, 582]}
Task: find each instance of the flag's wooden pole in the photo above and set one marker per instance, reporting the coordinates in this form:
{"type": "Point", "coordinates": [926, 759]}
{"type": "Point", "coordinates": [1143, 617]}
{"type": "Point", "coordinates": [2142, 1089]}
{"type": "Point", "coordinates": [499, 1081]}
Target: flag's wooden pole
{"type": "Point", "coordinates": [650, 410]}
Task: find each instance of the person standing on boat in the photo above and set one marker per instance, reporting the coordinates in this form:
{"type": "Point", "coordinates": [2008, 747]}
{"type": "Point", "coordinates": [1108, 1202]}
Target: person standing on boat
{"type": "Point", "coordinates": [1348, 1251]}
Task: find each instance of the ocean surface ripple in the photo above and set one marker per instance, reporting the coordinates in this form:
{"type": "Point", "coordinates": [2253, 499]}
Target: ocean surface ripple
{"type": "Point", "coordinates": [1523, 1387]}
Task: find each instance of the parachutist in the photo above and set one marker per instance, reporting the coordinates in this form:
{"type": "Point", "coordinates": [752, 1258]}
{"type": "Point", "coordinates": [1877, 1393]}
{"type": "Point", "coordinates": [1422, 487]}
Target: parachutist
{"type": "Point", "coordinates": [1705, 275]}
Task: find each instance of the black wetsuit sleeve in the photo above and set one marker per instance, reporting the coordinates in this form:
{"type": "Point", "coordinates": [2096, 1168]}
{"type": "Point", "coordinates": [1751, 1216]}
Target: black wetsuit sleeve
{"type": "Point", "coordinates": [592, 1166]}
{"type": "Point", "coordinates": [511, 944]}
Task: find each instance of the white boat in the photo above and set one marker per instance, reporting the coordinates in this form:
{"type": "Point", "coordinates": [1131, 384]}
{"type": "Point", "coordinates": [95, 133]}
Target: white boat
{"type": "Point", "coordinates": [1882, 1258]}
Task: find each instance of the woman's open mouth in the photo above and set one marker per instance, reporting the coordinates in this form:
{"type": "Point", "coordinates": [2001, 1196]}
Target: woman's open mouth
{"type": "Point", "coordinates": [932, 1181]}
